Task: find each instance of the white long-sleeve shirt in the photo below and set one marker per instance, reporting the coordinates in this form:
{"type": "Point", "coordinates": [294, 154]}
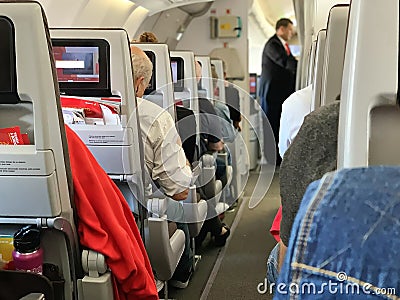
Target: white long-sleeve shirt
{"type": "Point", "coordinates": [294, 109]}
{"type": "Point", "coordinates": [164, 156]}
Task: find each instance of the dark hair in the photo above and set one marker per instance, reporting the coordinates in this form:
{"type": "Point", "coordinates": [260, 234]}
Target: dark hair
{"type": "Point", "coordinates": [148, 37]}
{"type": "Point", "coordinates": [283, 22]}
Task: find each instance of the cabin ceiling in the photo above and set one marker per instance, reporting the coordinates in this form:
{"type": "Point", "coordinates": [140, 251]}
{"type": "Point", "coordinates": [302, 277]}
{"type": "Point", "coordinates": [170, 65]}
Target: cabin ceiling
{"type": "Point", "coordinates": [273, 10]}
{"type": "Point", "coordinates": [155, 6]}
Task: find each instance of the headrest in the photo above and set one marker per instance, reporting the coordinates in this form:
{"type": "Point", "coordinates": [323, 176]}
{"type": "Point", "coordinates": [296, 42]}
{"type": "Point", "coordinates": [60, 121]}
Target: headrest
{"type": "Point", "coordinates": [334, 53]}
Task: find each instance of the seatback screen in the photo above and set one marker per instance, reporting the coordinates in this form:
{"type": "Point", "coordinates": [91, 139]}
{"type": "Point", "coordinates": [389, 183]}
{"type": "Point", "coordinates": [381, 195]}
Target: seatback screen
{"type": "Point", "coordinates": [253, 84]}
{"type": "Point", "coordinates": [83, 66]}
{"type": "Point", "coordinates": [174, 69]}
{"type": "Point", "coordinates": [177, 69]}
{"type": "Point", "coordinates": [77, 64]}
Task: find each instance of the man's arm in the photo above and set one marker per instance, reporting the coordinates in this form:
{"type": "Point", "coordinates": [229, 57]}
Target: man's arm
{"type": "Point", "coordinates": [273, 50]}
{"type": "Point", "coordinates": [170, 167]}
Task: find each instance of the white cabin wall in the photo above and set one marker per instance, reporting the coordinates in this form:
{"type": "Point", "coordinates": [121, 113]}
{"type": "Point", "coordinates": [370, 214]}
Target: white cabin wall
{"type": "Point", "coordinates": [257, 40]}
{"type": "Point", "coordinates": [132, 24]}
{"type": "Point", "coordinates": [197, 38]}
{"type": "Point", "coordinates": [197, 35]}
{"type": "Point", "coordinates": [62, 13]}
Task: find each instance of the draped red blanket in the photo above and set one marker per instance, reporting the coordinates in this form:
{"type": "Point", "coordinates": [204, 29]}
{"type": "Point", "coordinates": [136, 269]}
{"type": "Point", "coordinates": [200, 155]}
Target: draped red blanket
{"type": "Point", "coordinates": [106, 225]}
{"type": "Point", "coordinates": [276, 224]}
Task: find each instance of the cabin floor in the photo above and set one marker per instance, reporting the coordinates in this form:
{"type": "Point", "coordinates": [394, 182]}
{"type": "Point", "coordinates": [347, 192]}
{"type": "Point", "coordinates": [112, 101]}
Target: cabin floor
{"type": "Point", "coordinates": [235, 271]}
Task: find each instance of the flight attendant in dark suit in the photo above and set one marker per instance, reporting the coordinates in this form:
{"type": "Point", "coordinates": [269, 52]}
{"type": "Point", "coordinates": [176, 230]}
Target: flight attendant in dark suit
{"type": "Point", "coordinates": [277, 81]}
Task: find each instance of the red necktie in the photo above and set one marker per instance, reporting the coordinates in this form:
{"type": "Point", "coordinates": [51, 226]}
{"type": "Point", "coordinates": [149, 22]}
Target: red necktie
{"type": "Point", "coordinates": [287, 48]}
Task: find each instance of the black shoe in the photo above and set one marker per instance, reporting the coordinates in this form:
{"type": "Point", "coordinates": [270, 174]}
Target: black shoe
{"type": "Point", "coordinates": [181, 283]}
{"type": "Point", "coordinates": [220, 240]}
{"type": "Point", "coordinates": [198, 240]}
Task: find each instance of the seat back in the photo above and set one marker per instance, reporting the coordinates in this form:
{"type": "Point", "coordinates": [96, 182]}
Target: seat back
{"type": "Point", "coordinates": [189, 93]}
{"type": "Point", "coordinates": [206, 85]}
{"type": "Point", "coordinates": [219, 68]}
{"type": "Point", "coordinates": [115, 147]}
{"type": "Point", "coordinates": [369, 116]}
{"type": "Point", "coordinates": [318, 70]}
{"type": "Point", "coordinates": [334, 53]}
{"type": "Point", "coordinates": [23, 284]}
{"type": "Point", "coordinates": [187, 126]}
{"type": "Point", "coordinates": [311, 69]}
{"type": "Point", "coordinates": [161, 90]}
{"type": "Point", "coordinates": [35, 179]}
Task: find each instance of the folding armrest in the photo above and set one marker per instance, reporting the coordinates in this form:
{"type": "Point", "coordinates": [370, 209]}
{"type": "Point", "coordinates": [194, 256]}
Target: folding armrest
{"type": "Point", "coordinates": [157, 206]}
{"type": "Point", "coordinates": [229, 168]}
{"type": "Point", "coordinates": [211, 187]}
{"type": "Point", "coordinates": [97, 283]}
{"type": "Point", "coordinates": [195, 212]}
{"type": "Point", "coordinates": [164, 252]}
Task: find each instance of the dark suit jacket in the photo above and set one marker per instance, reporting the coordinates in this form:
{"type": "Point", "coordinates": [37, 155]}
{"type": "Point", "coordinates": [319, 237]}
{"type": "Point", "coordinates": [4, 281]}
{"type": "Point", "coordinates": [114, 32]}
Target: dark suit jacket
{"type": "Point", "coordinates": [278, 74]}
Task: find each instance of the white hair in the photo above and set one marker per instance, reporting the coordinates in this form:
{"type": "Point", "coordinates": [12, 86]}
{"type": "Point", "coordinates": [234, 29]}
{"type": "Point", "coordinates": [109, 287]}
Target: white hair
{"type": "Point", "coordinates": [142, 67]}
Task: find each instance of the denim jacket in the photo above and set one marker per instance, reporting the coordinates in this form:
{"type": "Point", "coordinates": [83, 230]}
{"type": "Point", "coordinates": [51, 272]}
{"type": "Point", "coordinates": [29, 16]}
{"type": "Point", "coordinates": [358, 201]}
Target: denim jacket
{"type": "Point", "coordinates": [345, 241]}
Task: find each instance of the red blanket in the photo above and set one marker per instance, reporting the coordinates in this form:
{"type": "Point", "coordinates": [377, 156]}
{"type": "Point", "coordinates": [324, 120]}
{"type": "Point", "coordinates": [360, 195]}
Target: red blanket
{"type": "Point", "coordinates": [106, 225]}
{"type": "Point", "coordinates": [276, 224]}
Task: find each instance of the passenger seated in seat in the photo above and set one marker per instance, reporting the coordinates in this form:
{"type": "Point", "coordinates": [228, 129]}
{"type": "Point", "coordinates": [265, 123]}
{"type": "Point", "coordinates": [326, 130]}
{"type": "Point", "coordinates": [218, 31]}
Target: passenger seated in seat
{"type": "Point", "coordinates": [164, 157]}
{"type": "Point", "coordinates": [312, 154]}
{"type": "Point", "coordinates": [211, 141]}
{"type": "Point", "coordinates": [106, 224]}
{"type": "Point", "coordinates": [148, 37]}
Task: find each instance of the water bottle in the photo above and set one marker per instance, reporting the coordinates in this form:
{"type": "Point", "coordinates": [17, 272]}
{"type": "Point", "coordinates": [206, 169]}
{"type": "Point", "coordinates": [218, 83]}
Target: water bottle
{"type": "Point", "coordinates": [27, 255]}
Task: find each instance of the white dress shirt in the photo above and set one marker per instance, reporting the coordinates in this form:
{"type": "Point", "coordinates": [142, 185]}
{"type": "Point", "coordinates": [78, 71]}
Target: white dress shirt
{"type": "Point", "coordinates": [294, 109]}
{"type": "Point", "coordinates": [164, 156]}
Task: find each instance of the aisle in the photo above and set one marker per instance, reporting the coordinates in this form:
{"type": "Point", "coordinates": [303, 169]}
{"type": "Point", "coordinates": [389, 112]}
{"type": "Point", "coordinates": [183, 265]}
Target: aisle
{"type": "Point", "coordinates": [244, 263]}
{"type": "Point", "coordinates": [235, 271]}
